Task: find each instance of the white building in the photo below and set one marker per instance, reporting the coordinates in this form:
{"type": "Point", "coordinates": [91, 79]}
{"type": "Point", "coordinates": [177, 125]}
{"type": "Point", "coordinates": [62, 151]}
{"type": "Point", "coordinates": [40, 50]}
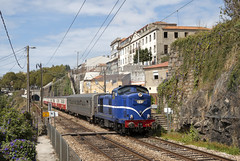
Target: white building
{"type": "Point", "coordinates": [156, 37]}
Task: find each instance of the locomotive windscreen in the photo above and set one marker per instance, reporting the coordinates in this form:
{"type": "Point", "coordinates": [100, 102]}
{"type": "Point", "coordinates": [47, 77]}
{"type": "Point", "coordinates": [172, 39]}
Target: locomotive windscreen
{"type": "Point", "coordinates": [132, 89]}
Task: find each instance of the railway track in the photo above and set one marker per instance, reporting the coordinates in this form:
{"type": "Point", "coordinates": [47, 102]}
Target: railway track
{"type": "Point", "coordinates": [109, 148]}
{"type": "Point", "coordinates": [113, 150]}
{"type": "Point", "coordinates": [177, 151]}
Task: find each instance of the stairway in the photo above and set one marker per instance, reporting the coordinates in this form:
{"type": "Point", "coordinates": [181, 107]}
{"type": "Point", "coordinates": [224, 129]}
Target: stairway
{"type": "Point", "coordinates": [160, 119]}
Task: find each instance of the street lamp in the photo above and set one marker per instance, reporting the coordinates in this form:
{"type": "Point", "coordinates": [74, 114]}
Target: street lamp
{"type": "Point", "coordinates": [28, 88]}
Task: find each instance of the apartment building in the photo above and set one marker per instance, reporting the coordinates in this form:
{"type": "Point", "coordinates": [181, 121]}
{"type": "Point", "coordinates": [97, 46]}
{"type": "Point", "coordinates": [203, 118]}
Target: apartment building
{"type": "Point", "coordinates": [156, 37]}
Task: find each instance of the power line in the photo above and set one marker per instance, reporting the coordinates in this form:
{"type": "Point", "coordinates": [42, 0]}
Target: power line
{"type": "Point", "coordinates": [177, 10]}
{"type": "Point", "coordinates": [105, 28]}
{"type": "Point", "coordinates": [100, 28]}
{"type": "Point", "coordinates": [15, 63]}
{"type": "Point", "coordinates": [5, 27]}
{"type": "Point", "coordinates": [7, 56]}
{"type": "Point", "coordinates": [10, 62]}
{"type": "Point", "coordinates": [67, 32]}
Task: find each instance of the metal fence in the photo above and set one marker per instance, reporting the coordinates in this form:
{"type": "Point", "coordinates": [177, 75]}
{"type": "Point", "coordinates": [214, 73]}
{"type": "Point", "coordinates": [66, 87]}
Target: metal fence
{"type": "Point", "coordinates": [64, 152]}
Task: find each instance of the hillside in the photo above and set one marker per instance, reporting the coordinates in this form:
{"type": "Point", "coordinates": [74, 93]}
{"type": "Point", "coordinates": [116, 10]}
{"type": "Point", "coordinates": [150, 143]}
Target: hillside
{"type": "Point", "coordinates": [203, 89]}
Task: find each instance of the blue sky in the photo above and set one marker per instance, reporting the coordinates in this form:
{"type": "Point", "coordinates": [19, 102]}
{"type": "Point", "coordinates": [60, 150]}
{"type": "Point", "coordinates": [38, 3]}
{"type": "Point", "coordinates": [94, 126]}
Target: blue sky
{"type": "Point", "coordinates": [43, 23]}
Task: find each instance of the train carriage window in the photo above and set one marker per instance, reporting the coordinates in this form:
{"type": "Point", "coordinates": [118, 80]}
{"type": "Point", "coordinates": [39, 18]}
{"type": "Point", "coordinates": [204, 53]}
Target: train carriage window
{"type": "Point", "coordinates": [101, 105]}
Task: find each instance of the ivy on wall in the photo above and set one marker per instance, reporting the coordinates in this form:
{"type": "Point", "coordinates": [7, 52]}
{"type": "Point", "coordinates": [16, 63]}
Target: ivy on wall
{"type": "Point", "coordinates": [206, 55]}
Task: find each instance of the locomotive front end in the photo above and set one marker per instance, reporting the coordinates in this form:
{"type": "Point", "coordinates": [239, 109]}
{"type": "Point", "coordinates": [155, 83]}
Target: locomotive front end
{"type": "Point", "coordinates": [137, 112]}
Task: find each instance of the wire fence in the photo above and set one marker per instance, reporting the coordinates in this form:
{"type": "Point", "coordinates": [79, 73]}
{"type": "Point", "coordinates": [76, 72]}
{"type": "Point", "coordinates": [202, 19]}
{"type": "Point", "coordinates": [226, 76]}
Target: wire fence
{"type": "Point", "coordinates": [64, 152]}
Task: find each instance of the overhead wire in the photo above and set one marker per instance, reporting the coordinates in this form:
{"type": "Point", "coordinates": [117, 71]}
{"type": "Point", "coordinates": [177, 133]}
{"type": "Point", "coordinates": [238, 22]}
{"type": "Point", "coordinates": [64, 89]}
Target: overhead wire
{"type": "Point", "coordinates": [66, 32]}
{"type": "Point", "coordinates": [11, 55]}
{"type": "Point", "coordinates": [20, 59]}
{"type": "Point", "coordinates": [177, 10]}
{"type": "Point", "coordinates": [105, 29]}
{"type": "Point", "coordinates": [100, 28]}
{"type": "Point", "coordinates": [5, 27]}
{"type": "Point", "coordinates": [10, 62]}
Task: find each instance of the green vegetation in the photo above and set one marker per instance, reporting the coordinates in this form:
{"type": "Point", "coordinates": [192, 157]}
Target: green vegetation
{"type": "Point", "coordinates": [144, 55]}
{"type": "Point", "coordinates": [165, 59]}
{"type": "Point", "coordinates": [19, 149]}
{"type": "Point", "coordinates": [206, 55]}
{"type": "Point", "coordinates": [17, 136]}
{"type": "Point", "coordinates": [18, 81]}
{"type": "Point", "coordinates": [62, 87]}
{"type": "Point", "coordinates": [188, 139]}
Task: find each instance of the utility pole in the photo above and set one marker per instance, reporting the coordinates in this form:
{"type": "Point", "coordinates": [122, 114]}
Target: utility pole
{"type": "Point", "coordinates": [28, 79]}
{"type": "Point", "coordinates": [77, 59]}
{"type": "Point", "coordinates": [28, 89]}
{"type": "Point", "coordinates": [104, 81]}
{"type": "Point", "coordinates": [41, 90]}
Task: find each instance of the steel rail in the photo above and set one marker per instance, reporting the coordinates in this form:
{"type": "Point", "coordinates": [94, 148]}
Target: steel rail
{"type": "Point", "coordinates": [195, 150]}
{"type": "Point", "coordinates": [94, 147]}
{"type": "Point", "coordinates": [125, 148]}
{"type": "Point", "coordinates": [162, 149]}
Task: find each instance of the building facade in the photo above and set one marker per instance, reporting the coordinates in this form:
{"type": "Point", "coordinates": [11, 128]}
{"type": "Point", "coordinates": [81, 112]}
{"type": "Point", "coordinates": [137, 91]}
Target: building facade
{"type": "Point", "coordinates": [112, 81]}
{"type": "Point", "coordinates": [156, 37]}
{"type": "Point", "coordinates": [154, 75]}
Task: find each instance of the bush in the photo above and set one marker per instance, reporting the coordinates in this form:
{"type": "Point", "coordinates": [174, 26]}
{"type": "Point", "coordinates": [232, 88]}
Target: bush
{"type": "Point", "coordinates": [19, 149]}
{"type": "Point", "coordinates": [191, 136]}
{"type": "Point", "coordinates": [15, 125]}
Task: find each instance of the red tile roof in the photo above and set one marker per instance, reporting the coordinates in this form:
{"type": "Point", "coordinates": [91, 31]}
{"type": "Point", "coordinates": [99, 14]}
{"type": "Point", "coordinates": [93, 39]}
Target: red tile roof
{"type": "Point", "coordinates": [165, 64]}
{"type": "Point", "coordinates": [184, 28]}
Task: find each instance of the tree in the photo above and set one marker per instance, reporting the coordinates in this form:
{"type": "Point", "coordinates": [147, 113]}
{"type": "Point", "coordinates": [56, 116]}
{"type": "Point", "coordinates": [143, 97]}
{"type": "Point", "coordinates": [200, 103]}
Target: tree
{"type": "Point", "coordinates": [144, 55]}
{"type": "Point", "coordinates": [8, 80]}
{"type": "Point", "coordinates": [20, 81]}
{"type": "Point", "coordinates": [232, 9]}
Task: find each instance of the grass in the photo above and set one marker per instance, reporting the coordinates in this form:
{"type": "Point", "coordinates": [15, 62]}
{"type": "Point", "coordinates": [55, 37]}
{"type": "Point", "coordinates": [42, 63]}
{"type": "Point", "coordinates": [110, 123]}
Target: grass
{"type": "Point", "coordinates": [184, 138]}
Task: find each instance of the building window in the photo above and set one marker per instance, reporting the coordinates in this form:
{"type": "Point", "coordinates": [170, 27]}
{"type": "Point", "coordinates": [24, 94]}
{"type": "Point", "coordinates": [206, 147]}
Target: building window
{"type": "Point", "coordinates": [150, 38]}
{"type": "Point", "coordinates": [146, 39]}
{"type": "Point", "coordinates": [142, 41]}
{"type": "Point", "coordinates": [133, 48]}
{"type": "Point", "coordinates": [150, 49]}
{"type": "Point", "coordinates": [154, 36]}
{"type": "Point", "coordinates": [176, 35]}
{"type": "Point", "coordinates": [155, 75]}
{"type": "Point", "coordinates": [186, 34]}
{"type": "Point", "coordinates": [165, 35]}
{"type": "Point", "coordinates": [165, 49]}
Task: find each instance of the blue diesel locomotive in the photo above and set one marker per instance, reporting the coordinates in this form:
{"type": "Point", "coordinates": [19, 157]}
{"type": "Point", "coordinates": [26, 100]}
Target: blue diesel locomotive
{"type": "Point", "coordinates": [127, 109]}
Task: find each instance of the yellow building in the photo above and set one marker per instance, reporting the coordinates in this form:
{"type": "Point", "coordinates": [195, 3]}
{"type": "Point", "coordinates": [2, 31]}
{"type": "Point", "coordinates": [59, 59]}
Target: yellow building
{"type": "Point", "coordinates": [96, 85]}
{"type": "Point", "coordinates": [154, 75]}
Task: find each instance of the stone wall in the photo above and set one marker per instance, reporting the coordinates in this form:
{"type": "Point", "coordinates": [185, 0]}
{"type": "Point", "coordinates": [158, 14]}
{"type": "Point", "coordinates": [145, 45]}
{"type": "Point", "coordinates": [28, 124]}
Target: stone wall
{"type": "Point", "coordinates": [215, 114]}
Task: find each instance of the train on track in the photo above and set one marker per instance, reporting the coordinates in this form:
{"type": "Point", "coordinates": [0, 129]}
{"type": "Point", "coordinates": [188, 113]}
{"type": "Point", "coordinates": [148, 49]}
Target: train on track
{"type": "Point", "coordinates": [127, 109]}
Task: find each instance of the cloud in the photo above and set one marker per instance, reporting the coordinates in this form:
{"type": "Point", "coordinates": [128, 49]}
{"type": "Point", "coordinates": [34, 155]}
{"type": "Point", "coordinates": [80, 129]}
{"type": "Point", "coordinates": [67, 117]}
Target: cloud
{"type": "Point", "coordinates": [43, 23]}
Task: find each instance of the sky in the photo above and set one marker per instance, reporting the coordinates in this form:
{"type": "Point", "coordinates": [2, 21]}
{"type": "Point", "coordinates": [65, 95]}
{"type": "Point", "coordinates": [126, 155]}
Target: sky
{"type": "Point", "coordinates": [45, 24]}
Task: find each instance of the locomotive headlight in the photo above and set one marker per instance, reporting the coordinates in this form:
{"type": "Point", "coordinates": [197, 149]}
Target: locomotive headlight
{"type": "Point", "coordinates": [140, 94]}
{"type": "Point", "coordinates": [131, 117]}
{"type": "Point", "coordinates": [148, 116]}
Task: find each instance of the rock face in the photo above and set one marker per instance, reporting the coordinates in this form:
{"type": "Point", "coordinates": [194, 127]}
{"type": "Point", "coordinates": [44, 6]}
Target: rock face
{"type": "Point", "coordinates": [216, 116]}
